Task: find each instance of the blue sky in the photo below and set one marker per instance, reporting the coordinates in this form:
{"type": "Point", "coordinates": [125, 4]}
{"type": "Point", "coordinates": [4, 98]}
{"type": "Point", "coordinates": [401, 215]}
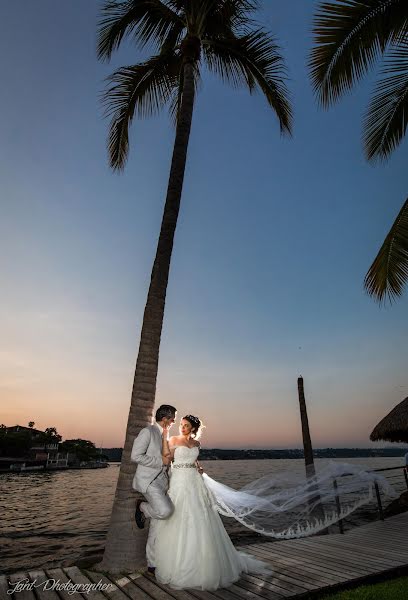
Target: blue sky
{"type": "Point", "coordinates": [274, 238]}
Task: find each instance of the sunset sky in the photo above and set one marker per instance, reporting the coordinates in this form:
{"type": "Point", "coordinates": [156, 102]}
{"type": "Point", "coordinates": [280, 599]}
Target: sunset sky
{"type": "Point", "coordinates": [273, 242]}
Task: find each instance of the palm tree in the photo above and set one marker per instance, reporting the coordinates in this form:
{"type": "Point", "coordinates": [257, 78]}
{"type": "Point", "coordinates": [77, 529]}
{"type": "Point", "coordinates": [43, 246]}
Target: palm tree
{"type": "Point", "coordinates": [350, 36]}
{"type": "Point", "coordinates": [223, 36]}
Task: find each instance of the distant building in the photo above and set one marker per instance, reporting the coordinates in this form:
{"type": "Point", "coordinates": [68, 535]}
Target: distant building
{"type": "Point", "coordinates": [40, 452]}
{"type": "Point", "coordinates": [21, 428]}
{"type": "Point", "coordinates": [49, 453]}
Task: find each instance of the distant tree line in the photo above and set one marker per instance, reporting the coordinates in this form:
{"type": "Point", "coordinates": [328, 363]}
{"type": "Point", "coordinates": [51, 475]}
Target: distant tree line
{"type": "Point", "coordinates": [115, 454]}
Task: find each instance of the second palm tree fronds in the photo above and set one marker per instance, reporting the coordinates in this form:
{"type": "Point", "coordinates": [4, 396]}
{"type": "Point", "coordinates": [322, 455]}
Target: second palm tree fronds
{"type": "Point", "coordinates": [350, 37]}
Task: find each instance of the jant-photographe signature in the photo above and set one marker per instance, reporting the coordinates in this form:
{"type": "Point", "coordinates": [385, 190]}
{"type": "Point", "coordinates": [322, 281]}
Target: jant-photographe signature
{"type": "Point", "coordinates": [56, 584]}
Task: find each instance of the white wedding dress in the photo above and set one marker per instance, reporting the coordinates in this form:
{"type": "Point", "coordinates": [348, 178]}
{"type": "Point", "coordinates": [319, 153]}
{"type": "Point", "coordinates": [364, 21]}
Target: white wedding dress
{"type": "Point", "coordinates": [192, 548]}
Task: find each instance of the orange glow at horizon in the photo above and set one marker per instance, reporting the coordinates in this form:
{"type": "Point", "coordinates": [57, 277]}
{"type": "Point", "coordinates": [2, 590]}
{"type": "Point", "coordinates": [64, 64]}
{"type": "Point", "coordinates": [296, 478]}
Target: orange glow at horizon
{"type": "Point", "coordinates": [64, 370]}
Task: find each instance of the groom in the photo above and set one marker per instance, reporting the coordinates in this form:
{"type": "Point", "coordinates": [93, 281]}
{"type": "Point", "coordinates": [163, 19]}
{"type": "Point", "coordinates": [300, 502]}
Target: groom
{"type": "Point", "coordinates": [151, 478]}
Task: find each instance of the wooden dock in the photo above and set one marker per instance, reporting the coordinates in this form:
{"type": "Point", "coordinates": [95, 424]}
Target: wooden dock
{"type": "Point", "coordinates": [301, 568]}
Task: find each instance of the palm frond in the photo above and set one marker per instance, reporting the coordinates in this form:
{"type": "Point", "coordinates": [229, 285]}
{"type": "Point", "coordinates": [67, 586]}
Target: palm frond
{"type": "Point", "coordinates": [145, 20]}
{"type": "Point", "coordinates": [349, 37]}
{"type": "Point", "coordinates": [385, 123]}
{"type": "Point", "coordinates": [253, 61]}
{"type": "Point", "coordinates": [141, 89]}
{"type": "Point", "coordinates": [389, 272]}
{"type": "Point", "coordinates": [219, 18]}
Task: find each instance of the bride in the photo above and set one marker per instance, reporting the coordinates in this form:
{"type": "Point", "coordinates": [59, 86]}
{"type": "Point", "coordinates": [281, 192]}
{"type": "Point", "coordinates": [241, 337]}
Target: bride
{"type": "Point", "coordinates": [193, 550]}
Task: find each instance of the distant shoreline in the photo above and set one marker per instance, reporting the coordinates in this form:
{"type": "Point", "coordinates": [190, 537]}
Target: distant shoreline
{"type": "Point", "coordinates": [115, 454]}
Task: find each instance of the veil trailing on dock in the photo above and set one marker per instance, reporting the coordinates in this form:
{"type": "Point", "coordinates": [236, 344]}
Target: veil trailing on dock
{"type": "Point", "coordinates": [292, 506]}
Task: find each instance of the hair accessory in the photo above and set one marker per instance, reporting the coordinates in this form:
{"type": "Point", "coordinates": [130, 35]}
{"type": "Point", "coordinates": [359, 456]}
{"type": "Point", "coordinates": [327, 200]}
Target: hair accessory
{"type": "Point", "coordinates": [195, 420]}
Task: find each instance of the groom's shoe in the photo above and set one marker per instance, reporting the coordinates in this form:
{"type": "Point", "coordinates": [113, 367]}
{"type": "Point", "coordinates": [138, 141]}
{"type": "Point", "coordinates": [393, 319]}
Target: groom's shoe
{"type": "Point", "coordinates": [151, 570]}
{"type": "Point", "coordinates": [139, 516]}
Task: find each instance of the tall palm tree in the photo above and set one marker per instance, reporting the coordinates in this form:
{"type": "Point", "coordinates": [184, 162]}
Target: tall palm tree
{"type": "Point", "coordinates": [350, 36]}
{"type": "Point", "coordinates": [187, 35]}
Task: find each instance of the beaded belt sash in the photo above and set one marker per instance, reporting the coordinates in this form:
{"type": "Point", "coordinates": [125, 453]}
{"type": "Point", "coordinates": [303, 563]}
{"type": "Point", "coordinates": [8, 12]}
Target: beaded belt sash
{"type": "Point", "coordinates": [184, 466]}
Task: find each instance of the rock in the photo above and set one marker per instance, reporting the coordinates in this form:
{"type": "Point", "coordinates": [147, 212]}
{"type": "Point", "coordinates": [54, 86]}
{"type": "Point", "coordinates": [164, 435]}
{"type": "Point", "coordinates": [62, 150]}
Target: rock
{"type": "Point", "coordinates": [88, 561]}
{"type": "Point", "coordinates": [397, 506]}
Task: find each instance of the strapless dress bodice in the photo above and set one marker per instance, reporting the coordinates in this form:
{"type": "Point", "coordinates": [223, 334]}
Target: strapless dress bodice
{"type": "Point", "coordinates": [183, 455]}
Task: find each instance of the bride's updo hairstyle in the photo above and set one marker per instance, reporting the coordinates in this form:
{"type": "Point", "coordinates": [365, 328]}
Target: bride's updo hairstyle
{"type": "Point", "coordinates": [196, 424]}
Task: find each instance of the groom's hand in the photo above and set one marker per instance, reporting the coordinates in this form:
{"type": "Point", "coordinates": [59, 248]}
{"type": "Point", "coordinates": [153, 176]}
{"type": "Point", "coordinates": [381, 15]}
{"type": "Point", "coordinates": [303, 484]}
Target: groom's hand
{"type": "Point", "coordinates": [165, 432]}
{"type": "Point", "coordinates": [166, 460]}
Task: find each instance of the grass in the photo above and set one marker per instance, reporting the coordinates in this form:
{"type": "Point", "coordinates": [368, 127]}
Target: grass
{"type": "Point", "coordinates": [395, 589]}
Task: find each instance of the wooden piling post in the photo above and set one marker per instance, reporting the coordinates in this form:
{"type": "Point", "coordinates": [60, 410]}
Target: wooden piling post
{"type": "Point", "coordinates": [307, 442]}
{"type": "Point", "coordinates": [308, 452]}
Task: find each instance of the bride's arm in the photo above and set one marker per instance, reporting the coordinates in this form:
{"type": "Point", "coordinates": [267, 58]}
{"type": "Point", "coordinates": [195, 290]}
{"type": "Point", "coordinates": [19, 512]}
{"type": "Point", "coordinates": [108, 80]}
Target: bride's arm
{"type": "Point", "coordinates": [199, 467]}
{"type": "Point", "coordinates": [172, 446]}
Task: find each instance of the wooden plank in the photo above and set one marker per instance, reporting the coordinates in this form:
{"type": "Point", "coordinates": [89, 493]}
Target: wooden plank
{"type": "Point", "coordinates": [330, 564]}
{"type": "Point", "coordinates": [347, 557]}
{"type": "Point", "coordinates": [277, 557]}
{"type": "Point", "coordinates": [379, 528]}
{"type": "Point", "coordinates": [320, 573]}
{"type": "Point", "coordinates": [342, 565]}
{"type": "Point", "coordinates": [270, 585]}
{"type": "Point", "coordinates": [386, 544]}
{"type": "Point", "coordinates": [262, 591]}
{"type": "Point", "coordinates": [74, 575]}
{"type": "Point", "coordinates": [287, 581]}
{"type": "Point", "coordinates": [286, 588]}
{"type": "Point", "coordinates": [280, 561]}
{"type": "Point", "coordinates": [392, 551]}
{"type": "Point", "coordinates": [377, 534]}
{"type": "Point", "coordinates": [358, 550]}
{"type": "Point", "coordinates": [383, 541]}
{"type": "Point", "coordinates": [114, 593]}
{"type": "Point", "coordinates": [22, 579]}
{"type": "Point", "coordinates": [152, 589]}
{"type": "Point", "coordinates": [241, 592]}
{"type": "Point", "coordinates": [368, 550]}
{"type": "Point", "coordinates": [285, 585]}
{"type": "Point", "coordinates": [131, 588]}
{"type": "Point", "coordinates": [293, 566]}
{"type": "Point", "coordinates": [178, 594]}
{"type": "Point", "coordinates": [4, 586]}
{"type": "Point", "coordinates": [222, 594]}
{"type": "Point", "coordinates": [230, 593]}
{"type": "Point", "coordinates": [40, 578]}
{"type": "Point", "coordinates": [59, 576]}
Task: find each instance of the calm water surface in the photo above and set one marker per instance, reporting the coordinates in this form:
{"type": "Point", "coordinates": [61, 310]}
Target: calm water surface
{"type": "Point", "coordinates": [47, 519]}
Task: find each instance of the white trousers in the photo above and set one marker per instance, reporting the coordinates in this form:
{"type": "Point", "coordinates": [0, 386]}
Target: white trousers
{"type": "Point", "coordinates": [158, 506]}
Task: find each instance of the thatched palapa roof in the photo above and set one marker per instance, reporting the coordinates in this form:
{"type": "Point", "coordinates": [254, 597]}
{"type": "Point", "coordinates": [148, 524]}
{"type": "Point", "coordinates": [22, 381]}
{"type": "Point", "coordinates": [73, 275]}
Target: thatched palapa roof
{"type": "Point", "coordinates": [393, 427]}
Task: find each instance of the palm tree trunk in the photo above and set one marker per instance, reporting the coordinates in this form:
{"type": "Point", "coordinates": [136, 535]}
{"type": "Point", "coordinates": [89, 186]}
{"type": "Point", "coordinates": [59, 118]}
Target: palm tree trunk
{"type": "Point", "coordinates": [125, 543]}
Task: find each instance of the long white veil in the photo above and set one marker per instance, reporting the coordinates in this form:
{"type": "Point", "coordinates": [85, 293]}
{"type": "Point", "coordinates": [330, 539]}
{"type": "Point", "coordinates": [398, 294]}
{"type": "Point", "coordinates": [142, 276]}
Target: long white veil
{"type": "Point", "coordinates": [292, 506]}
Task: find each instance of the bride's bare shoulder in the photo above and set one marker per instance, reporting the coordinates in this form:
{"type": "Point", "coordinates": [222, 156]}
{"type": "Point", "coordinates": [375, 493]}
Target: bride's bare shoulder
{"type": "Point", "coordinates": [173, 439]}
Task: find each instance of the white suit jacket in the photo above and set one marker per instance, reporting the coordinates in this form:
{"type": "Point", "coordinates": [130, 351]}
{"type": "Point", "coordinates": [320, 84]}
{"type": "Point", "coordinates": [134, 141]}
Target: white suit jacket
{"type": "Point", "coordinates": [147, 453]}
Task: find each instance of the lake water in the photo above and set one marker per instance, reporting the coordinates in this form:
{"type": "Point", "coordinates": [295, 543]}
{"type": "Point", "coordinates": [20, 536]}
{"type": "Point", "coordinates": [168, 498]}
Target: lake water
{"type": "Point", "coordinates": [47, 519]}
